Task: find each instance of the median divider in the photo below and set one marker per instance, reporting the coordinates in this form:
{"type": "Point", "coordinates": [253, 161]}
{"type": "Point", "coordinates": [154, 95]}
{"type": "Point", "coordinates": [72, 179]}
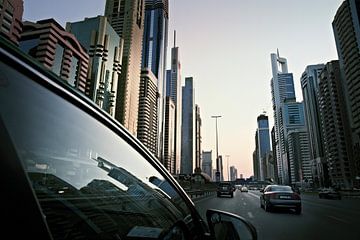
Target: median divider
{"type": "Point", "coordinates": [200, 194]}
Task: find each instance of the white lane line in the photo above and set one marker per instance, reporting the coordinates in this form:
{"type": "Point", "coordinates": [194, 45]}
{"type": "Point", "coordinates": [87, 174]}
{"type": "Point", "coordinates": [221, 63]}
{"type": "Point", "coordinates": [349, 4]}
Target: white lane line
{"type": "Point", "coordinates": [250, 215]}
{"type": "Point", "coordinates": [254, 195]}
{"type": "Point", "coordinates": [244, 203]}
{"type": "Point", "coordinates": [338, 219]}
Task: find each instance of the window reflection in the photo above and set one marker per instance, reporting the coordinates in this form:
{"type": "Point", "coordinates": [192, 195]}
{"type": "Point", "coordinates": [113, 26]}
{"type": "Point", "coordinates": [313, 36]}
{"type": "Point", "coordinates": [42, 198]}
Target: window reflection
{"type": "Point", "coordinates": [90, 183]}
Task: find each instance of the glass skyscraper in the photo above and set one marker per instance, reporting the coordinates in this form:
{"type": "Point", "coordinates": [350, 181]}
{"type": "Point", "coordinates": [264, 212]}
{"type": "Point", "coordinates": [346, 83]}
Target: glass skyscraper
{"type": "Point", "coordinates": [154, 51]}
{"type": "Point", "coordinates": [263, 145]}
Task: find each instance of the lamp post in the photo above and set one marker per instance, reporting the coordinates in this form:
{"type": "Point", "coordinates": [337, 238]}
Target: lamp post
{"type": "Point", "coordinates": [227, 167]}
{"type": "Point", "coordinates": [217, 174]}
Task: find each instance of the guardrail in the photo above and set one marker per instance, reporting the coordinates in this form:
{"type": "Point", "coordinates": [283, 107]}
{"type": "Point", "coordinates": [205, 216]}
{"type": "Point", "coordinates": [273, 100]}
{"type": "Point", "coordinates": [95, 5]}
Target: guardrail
{"type": "Point", "coordinates": [195, 194]}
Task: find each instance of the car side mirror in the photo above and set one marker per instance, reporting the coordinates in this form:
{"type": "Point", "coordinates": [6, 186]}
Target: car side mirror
{"type": "Point", "coordinates": [228, 226]}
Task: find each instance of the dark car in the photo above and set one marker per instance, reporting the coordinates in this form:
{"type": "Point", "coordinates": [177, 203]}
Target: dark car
{"type": "Point", "coordinates": [329, 193]}
{"type": "Point", "coordinates": [280, 196]}
{"type": "Point", "coordinates": [70, 171]}
{"type": "Point", "coordinates": [225, 188]}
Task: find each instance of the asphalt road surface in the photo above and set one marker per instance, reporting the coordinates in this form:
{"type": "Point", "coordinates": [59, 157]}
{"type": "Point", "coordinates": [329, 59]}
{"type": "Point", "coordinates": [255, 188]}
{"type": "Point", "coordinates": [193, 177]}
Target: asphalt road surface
{"type": "Point", "coordinates": [320, 218]}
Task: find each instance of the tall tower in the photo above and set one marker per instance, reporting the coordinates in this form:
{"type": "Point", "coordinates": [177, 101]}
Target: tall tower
{"type": "Point", "coordinates": [346, 26]}
{"type": "Point", "coordinates": [335, 128]}
{"type": "Point", "coordinates": [127, 19]}
{"type": "Point", "coordinates": [282, 88]}
{"type": "Point", "coordinates": [188, 128]}
{"type": "Point", "coordinates": [174, 91]}
{"type": "Point", "coordinates": [154, 51]}
{"type": "Point", "coordinates": [310, 86]}
{"type": "Point", "coordinates": [263, 145]}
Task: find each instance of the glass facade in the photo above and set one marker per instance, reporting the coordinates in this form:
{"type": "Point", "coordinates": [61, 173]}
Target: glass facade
{"type": "Point", "coordinates": [58, 57]}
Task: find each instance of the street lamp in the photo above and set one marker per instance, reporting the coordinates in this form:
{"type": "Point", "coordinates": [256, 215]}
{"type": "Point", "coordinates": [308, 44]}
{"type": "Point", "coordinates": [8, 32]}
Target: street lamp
{"type": "Point", "coordinates": [217, 174]}
{"type": "Point", "coordinates": [227, 167]}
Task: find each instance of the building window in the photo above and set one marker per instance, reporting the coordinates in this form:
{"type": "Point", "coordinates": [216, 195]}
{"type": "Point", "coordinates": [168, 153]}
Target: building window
{"type": "Point", "coordinates": [58, 57]}
{"type": "Point", "coordinates": [73, 71]}
{"type": "Point", "coordinates": [29, 46]}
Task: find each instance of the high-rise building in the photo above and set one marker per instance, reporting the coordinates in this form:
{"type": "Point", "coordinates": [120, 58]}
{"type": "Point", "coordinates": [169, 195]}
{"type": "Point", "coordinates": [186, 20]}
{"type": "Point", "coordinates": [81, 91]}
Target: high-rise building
{"type": "Point", "coordinates": [273, 146]}
{"type": "Point", "coordinates": [310, 85]}
{"type": "Point", "coordinates": [221, 169]}
{"type": "Point", "coordinates": [198, 155]}
{"type": "Point", "coordinates": [206, 165]}
{"type": "Point", "coordinates": [263, 145]}
{"type": "Point", "coordinates": [233, 173]}
{"type": "Point", "coordinates": [169, 137]}
{"type": "Point", "coordinates": [256, 162]}
{"type": "Point", "coordinates": [293, 119]}
{"type": "Point", "coordinates": [11, 12]}
{"type": "Point", "coordinates": [335, 128]}
{"type": "Point", "coordinates": [104, 47]}
{"type": "Point", "coordinates": [147, 120]}
{"type": "Point", "coordinates": [59, 51]}
{"type": "Point", "coordinates": [299, 157]}
{"type": "Point", "coordinates": [346, 26]}
{"type": "Point", "coordinates": [282, 88]}
{"type": "Point", "coordinates": [173, 89]}
{"type": "Point", "coordinates": [154, 52]}
{"type": "Point", "coordinates": [188, 128]}
{"type": "Point", "coordinates": [127, 19]}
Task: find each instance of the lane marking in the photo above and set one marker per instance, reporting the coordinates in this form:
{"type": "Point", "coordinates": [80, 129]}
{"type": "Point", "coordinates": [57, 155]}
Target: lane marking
{"type": "Point", "coordinates": [254, 195]}
{"type": "Point", "coordinates": [244, 203]}
{"type": "Point", "coordinates": [338, 219]}
{"type": "Point", "coordinates": [250, 215]}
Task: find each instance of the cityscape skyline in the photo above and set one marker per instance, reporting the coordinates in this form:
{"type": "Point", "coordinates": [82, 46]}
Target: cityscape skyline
{"type": "Point", "coordinates": [237, 124]}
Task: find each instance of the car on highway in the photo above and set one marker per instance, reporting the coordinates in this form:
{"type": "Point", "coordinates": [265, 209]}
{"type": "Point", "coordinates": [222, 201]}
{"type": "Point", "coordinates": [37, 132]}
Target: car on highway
{"type": "Point", "coordinates": [71, 171]}
{"type": "Point", "coordinates": [329, 193]}
{"type": "Point", "coordinates": [225, 188]}
{"type": "Point", "coordinates": [244, 189]}
{"type": "Point", "coordinates": [280, 196]}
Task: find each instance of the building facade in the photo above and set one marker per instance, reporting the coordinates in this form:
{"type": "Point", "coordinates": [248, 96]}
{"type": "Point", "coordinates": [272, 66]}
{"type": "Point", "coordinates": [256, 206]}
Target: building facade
{"type": "Point", "coordinates": [188, 127]}
{"type": "Point", "coordinates": [154, 52]}
{"type": "Point", "coordinates": [127, 19]}
{"type": "Point", "coordinates": [206, 165]}
{"type": "Point", "coordinates": [263, 145]}
{"type": "Point", "coordinates": [58, 50]}
{"type": "Point", "coordinates": [233, 173]}
{"type": "Point", "coordinates": [173, 79]}
{"type": "Point", "coordinates": [346, 26]}
{"type": "Point", "coordinates": [147, 119]}
{"type": "Point", "coordinates": [310, 85]}
{"type": "Point", "coordinates": [335, 127]}
{"type": "Point", "coordinates": [169, 137]}
{"type": "Point", "coordinates": [104, 47]}
{"type": "Point", "coordinates": [198, 151]}
{"type": "Point", "coordinates": [11, 12]}
{"type": "Point", "coordinates": [282, 88]}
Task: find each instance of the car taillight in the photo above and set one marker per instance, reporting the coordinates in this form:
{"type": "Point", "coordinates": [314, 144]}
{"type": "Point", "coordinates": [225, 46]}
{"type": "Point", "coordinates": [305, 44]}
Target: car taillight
{"type": "Point", "coordinates": [296, 196]}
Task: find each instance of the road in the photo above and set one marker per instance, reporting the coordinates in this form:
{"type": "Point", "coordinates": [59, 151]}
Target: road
{"type": "Point", "coordinates": [320, 218]}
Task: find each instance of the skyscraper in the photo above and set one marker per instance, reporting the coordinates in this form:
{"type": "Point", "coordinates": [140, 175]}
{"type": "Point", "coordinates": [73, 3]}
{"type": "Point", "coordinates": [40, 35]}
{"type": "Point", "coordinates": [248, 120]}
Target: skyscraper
{"type": "Point", "coordinates": [346, 26]}
{"type": "Point", "coordinates": [335, 127]}
{"type": "Point", "coordinates": [127, 19]}
{"type": "Point", "coordinates": [198, 155]}
{"type": "Point", "coordinates": [154, 51]}
{"type": "Point", "coordinates": [169, 137]}
{"type": "Point", "coordinates": [206, 165]}
{"type": "Point", "coordinates": [263, 145]}
{"type": "Point", "coordinates": [147, 120]}
{"type": "Point", "coordinates": [282, 88]}
{"type": "Point", "coordinates": [188, 127]}
{"type": "Point", "coordinates": [174, 91]}
{"type": "Point", "coordinates": [104, 47]}
{"type": "Point", "coordinates": [310, 85]}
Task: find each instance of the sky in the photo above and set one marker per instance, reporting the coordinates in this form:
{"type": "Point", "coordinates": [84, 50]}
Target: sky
{"type": "Point", "coordinates": [225, 45]}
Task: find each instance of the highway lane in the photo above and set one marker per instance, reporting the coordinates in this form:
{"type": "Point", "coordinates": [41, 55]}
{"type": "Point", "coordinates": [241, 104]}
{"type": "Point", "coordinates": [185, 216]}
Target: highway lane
{"type": "Point", "coordinates": [320, 218]}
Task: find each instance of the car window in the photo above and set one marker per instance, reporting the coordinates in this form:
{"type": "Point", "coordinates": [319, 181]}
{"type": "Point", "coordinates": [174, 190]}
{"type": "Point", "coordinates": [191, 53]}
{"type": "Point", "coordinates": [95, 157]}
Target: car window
{"type": "Point", "coordinates": [89, 182]}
